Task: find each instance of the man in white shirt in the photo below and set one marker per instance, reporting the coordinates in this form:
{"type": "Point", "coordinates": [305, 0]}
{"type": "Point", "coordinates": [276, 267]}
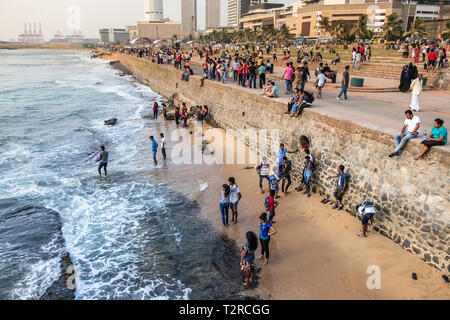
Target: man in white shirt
{"type": "Point", "coordinates": [163, 145]}
{"type": "Point", "coordinates": [263, 170]}
{"type": "Point", "coordinates": [410, 130]}
{"type": "Point", "coordinates": [235, 196]}
{"type": "Point", "coordinates": [320, 83]}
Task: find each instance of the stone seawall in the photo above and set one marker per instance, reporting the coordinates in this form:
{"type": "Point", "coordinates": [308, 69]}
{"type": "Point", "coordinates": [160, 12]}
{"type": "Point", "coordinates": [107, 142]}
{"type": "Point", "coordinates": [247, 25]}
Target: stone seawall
{"type": "Point", "coordinates": [412, 197]}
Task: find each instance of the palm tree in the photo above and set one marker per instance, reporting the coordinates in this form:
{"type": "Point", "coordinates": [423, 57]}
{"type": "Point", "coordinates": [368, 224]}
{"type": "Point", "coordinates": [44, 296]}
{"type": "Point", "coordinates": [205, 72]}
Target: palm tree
{"type": "Point", "coordinates": [360, 29]}
{"type": "Point", "coordinates": [224, 37]}
{"type": "Point", "coordinates": [338, 30]}
{"type": "Point", "coordinates": [284, 33]}
{"type": "Point", "coordinates": [417, 29]}
{"type": "Point", "coordinates": [446, 33]}
{"type": "Point", "coordinates": [325, 25]}
{"type": "Point", "coordinates": [392, 27]}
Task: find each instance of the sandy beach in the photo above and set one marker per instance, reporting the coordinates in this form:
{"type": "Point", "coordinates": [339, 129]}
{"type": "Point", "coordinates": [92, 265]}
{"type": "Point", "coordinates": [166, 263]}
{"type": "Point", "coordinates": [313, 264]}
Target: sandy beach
{"type": "Point", "coordinates": [48, 46]}
{"type": "Point", "coordinates": [316, 253]}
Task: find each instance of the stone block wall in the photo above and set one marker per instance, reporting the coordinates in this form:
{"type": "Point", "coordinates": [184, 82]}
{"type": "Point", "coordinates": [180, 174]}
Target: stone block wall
{"type": "Point", "coordinates": [412, 197]}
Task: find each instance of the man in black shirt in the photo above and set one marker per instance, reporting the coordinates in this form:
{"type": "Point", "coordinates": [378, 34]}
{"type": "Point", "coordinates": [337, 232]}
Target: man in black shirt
{"type": "Point", "coordinates": [252, 71]}
{"type": "Point", "coordinates": [344, 85]}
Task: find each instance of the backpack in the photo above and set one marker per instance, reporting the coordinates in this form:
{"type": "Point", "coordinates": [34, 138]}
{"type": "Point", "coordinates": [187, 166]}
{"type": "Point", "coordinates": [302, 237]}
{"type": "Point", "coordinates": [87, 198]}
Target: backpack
{"type": "Point", "coordinates": [266, 203]}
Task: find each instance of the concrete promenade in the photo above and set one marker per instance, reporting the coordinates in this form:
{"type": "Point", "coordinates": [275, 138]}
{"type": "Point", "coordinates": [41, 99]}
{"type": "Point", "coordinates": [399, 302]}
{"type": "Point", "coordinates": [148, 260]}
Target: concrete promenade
{"type": "Point", "coordinates": [381, 111]}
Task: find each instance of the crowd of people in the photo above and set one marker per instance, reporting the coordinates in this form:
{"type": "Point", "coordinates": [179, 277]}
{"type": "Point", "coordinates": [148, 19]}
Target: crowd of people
{"type": "Point", "coordinates": [246, 66]}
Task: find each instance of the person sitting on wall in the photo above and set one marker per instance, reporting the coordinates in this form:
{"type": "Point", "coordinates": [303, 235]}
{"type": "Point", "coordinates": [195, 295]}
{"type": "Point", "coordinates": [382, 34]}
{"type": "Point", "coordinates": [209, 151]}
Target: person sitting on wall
{"type": "Point", "coordinates": [266, 88]}
{"type": "Point", "coordinates": [306, 100]}
{"type": "Point", "coordinates": [274, 93]}
{"type": "Point", "coordinates": [294, 100]}
{"type": "Point", "coordinates": [367, 211]}
{"type": "Point", "coordinates": [186, 74]}
{"type": "Point", "coordinates": [341, 186]}
{"type": "Point", "coordinates": [438, 137]}
{"type": "Point", "coordinates": [410, 130]}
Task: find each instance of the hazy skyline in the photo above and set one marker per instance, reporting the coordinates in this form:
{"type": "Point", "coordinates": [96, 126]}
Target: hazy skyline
{"type": "Point", "coordinates": [94, 14]}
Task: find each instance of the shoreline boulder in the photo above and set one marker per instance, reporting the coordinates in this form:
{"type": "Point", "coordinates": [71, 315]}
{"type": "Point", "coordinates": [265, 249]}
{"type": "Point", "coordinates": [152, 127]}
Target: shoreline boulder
{"type": "Point", "coordinates": [110, 122]}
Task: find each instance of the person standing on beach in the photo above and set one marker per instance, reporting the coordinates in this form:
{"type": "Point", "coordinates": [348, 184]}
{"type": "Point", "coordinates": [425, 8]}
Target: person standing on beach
{"type": "Point", "coordinates": [177, 116]}
{"type": "Point", "coordinates": [163, 145]}
{"type": "Point", "coordinates": [102, 160]}
{"type": "Point", "coordinates": [155, 110]}
{"type": "Point", "coordinates": [266, 230]}
{"type": "Point", "coordinates": [286, 174]}
{"type": "Point", "coordinates": [271, 204]}
{"type": "Point", "coordinates": [341, 185]}
{"type": "Point", "coordinates": [281, 154]}
{"type": "Point", "coordinates": [164, 110]}
{"type": "Point", "coordinates": [263, 170]}
{"type": "Point", "coordinates": [154, 149]}
{"type": "Point", "coordinates": [235, 196]}
{"type": "Point", "coordinates": [225, 204]}
{"type": "Point", "coordinates": [185, 115]}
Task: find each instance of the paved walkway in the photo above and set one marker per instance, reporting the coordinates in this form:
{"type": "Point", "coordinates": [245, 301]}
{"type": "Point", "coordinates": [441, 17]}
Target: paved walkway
{"type": "Point", "coordinates": [381, 111]}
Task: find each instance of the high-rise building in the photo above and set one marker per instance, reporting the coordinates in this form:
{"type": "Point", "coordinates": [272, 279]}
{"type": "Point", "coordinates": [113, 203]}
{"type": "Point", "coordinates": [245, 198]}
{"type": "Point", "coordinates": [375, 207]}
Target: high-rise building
{"type": "Point", "coordinates": [188, 16]}
{"type": "Point", "coordinates": [213, 13]}
{"type": "Point", "coordinates": [237, 8]}
{"type": "Point", "coordinates": [154, 10]}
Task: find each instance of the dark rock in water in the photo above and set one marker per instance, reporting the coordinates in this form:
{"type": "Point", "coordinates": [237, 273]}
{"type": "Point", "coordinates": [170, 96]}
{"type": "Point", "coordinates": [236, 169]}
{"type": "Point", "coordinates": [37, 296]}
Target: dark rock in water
{"type": "Point", "coordinates": [414, 276]}
{"type": "Point", "coordinates": [110, 122]}
{"type": "Point", "coordinates": [64, 287]}
{"type": "Point", "coordinates": [170, 116]}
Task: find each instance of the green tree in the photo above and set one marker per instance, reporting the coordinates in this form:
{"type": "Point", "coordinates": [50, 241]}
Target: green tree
{"type": "Point", "coordinates": [417, 29]}
{"type": "Point", "coordinates": [392, 27]}
{"type": "Point", "coordinates": [446, 33]}
{"type": "Point", "coordinates": [360, 30]}
{"type": "Point", "coordinates": [284, 33]}
{"type": "Point", "coordinates": [338, 30]}
{"type": "Point", "coordinates": [325, 25]}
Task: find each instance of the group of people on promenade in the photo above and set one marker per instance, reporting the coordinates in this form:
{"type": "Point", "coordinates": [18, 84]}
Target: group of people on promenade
{"type": "Point", "coordinates": [411, 130]}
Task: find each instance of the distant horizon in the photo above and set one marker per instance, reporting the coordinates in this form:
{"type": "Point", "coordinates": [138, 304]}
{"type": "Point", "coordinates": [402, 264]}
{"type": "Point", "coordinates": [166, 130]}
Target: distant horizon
{"type": "Point", "coordinates": [63, 15]}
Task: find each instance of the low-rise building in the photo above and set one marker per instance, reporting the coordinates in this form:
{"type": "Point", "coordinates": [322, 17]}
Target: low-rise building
{"type": "Point", "coordinates": [114, 35]}
{"type": "Point", "coordinates": [304, 20]}
{"type": "Point", "coordinates": [159, 30]}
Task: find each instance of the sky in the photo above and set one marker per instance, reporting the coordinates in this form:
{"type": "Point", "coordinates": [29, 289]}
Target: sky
{"type": "Point", "coordinates": [87, 15]}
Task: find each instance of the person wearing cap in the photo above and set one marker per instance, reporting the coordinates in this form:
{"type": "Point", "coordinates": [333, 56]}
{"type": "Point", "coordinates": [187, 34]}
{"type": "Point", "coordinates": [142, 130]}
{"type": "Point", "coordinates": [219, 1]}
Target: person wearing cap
{"type": "Point", "coordinates": [263, 170]}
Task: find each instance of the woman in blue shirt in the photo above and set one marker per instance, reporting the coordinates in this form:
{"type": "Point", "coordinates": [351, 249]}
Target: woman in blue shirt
{"type": "Point", "coordinates": [266, 230]}
{"type": "Point", "coordinates": [438, 137]}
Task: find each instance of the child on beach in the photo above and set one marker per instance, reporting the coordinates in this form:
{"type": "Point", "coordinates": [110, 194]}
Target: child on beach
{"type": "Point", "coordinates": [248, 257]}
{"type": "Point", "coordinates": [274, 182]}
{"type": "Point", "coordinates": [271, 204]}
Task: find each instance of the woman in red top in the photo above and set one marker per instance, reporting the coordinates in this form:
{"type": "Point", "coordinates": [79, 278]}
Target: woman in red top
{"type": "Point", "coordinates": [155, 110]}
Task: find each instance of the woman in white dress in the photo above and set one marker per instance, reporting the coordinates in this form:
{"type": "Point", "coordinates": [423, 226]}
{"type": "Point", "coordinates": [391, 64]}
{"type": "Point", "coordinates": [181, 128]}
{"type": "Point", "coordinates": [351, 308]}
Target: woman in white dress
{"type": "Point", "coordinates": [416, 87]}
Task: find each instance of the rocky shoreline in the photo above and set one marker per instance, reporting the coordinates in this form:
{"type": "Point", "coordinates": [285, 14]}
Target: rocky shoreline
{"type": "Point", "coordinates": [64, 287]}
